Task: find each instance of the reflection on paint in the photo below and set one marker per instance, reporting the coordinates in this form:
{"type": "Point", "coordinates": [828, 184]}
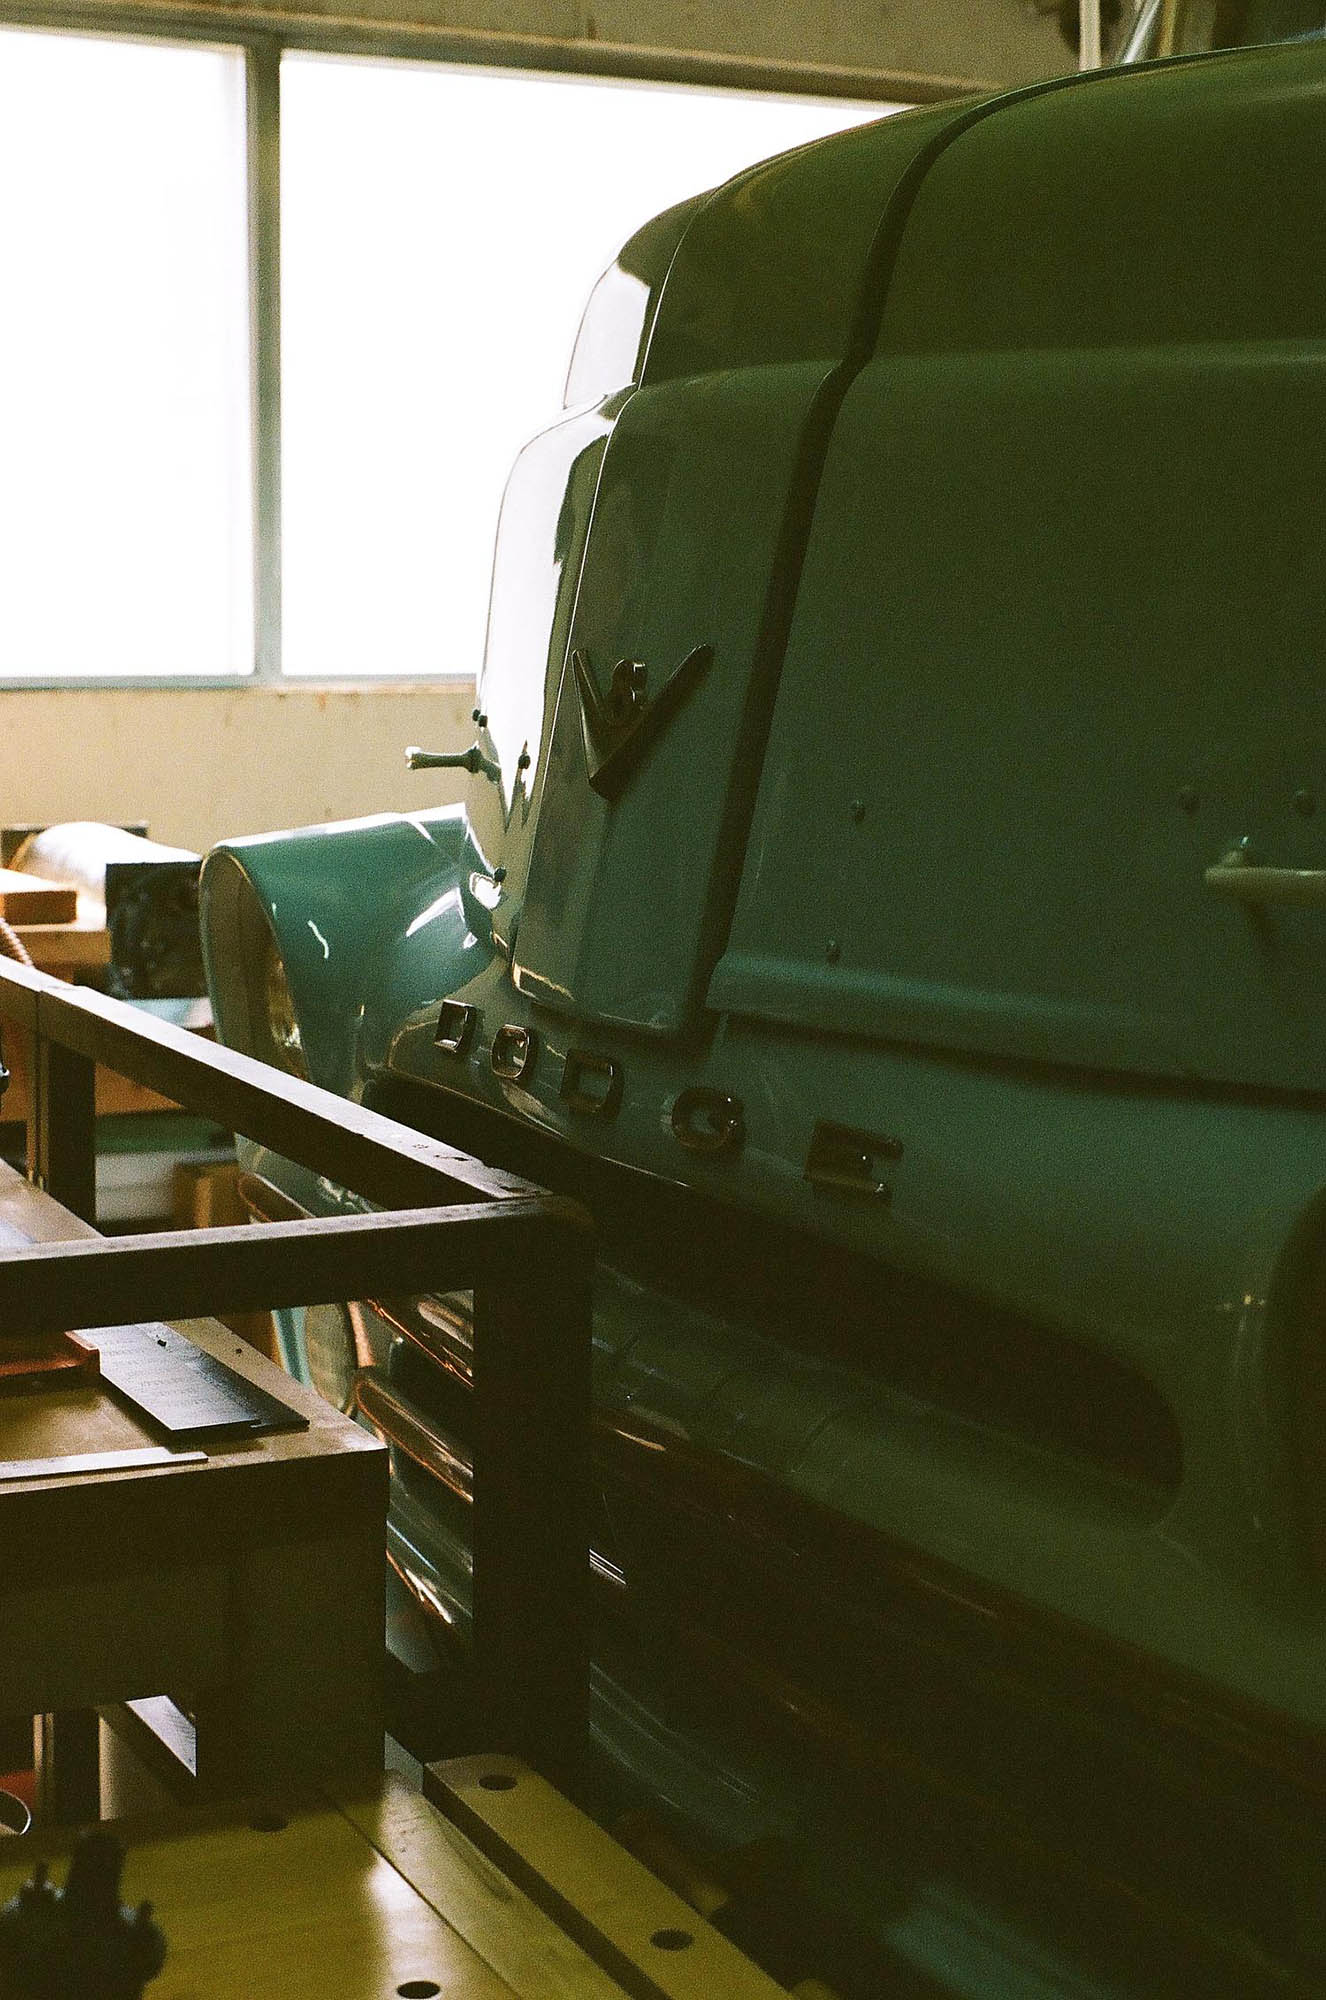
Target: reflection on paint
{"type": "Point", "coordinates": [450, 901]}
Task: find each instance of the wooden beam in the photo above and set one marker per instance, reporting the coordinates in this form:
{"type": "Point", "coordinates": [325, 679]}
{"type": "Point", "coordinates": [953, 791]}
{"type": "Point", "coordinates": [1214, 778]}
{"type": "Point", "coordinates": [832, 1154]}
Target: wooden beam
{"type": "Point", "coordinates": [26, 899]}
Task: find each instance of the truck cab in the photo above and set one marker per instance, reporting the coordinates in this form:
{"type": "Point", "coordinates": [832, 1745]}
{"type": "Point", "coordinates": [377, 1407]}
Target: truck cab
{"type": "Point", "coordinates": [890, 889]}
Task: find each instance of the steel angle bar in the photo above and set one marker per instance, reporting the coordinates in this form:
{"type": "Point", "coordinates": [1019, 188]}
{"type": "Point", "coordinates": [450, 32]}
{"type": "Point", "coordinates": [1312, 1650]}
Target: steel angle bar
{"type": "Point", "coordinates": [62, 1152]}
{"type": "Point", "coordinates": [189, 1273]}
{"type": "Point", "coordinates": [390, 1163]}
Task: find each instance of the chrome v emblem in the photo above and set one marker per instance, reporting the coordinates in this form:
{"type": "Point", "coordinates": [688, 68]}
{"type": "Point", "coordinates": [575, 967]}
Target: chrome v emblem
{"type": "Point", "coordinates": [620, 726]}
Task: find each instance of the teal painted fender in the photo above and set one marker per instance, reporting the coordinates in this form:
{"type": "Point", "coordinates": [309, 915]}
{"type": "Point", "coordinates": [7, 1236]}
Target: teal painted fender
{"type": "Point", "coordinates": [371, 918]}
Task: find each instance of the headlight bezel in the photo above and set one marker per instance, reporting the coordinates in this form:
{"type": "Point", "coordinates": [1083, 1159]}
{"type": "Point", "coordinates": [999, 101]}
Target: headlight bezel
{"type": "Point", "coordinates": [252, 1002]}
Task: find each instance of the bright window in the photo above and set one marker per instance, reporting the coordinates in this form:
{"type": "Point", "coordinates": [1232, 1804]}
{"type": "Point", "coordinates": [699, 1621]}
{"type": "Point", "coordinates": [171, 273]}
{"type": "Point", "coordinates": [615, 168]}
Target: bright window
{"type": "Point", "coordinates": [441, 231]}
{"type": "Point", "coordinates": [125, 534]}
{"type": "Point", "coordinates": [437, 232]}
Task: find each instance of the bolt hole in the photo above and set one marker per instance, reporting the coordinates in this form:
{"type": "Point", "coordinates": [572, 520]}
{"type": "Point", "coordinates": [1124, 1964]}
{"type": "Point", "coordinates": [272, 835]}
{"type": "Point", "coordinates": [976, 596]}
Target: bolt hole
{"type": "Point", "coordinates": [267, 1821]}
{"type": "Point", "coordinates": [498, 1781]}
{"type": "Point", "coordinates": [672, 1940]}
{"type": "Point", "coordinates": [419, 1989]}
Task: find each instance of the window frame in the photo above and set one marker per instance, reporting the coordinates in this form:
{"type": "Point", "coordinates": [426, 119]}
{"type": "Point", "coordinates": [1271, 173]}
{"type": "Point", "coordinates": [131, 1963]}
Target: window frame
{"type": "Point", "coordinates": [262, 48]}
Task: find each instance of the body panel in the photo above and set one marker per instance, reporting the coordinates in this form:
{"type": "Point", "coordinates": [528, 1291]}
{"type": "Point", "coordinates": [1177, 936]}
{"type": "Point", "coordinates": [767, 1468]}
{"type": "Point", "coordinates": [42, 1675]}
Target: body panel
{"type": "Point", "coordinates": [1063, 605]}
{"type": "Point", "coordinates": [696, 541]}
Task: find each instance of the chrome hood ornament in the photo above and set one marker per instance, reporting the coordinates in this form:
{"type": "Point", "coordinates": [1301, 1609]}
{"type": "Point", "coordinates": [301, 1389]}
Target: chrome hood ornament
{"type": "Point", "coordinates": [620, 726]}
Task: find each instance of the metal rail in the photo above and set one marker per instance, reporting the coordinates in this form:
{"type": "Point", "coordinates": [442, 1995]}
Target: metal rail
{"type": "Point", "coordinates": [448, 1221]}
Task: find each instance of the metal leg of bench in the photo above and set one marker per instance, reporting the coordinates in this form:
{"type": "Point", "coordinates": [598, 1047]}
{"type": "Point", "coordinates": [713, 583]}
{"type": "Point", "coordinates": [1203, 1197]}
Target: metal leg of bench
{"type": "Point", "coordinates": [62, 1142]}
{"type": "Point", "coordinates": [62, 1158]}
{"type": "Point", "coordinates": [530, 1522]}
{"type": "Point", "coordinates": [67, 1754]}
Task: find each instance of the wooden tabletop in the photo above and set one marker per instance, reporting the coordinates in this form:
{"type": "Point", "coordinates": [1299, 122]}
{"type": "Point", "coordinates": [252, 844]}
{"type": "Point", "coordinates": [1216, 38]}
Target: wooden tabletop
{"type": "Point", "coordinates": [64, 1422]}
{"type": "Point", "coordinates": [365, 1896]}
{"type": "Point", "coordinates": [28, 899]}
{"type": "Point", "coordinates": [621, 1912]}
{"type": "Point", "coordinates": [251, 1578]}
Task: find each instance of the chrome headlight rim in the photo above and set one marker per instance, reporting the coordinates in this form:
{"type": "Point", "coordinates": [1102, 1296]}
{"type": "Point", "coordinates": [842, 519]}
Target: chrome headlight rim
{"type": "Point", "coordinates": [252, 1001]}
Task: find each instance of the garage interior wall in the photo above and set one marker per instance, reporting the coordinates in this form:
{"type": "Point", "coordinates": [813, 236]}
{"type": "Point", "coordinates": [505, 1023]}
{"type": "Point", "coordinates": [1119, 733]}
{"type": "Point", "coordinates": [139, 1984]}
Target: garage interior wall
{"type": "Point", "coordinates": [200, 764]}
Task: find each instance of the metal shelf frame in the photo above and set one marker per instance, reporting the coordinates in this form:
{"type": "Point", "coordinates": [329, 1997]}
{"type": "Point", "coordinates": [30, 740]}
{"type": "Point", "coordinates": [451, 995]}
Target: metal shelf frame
{"type": "Point", "coordinates": [446, 1221]}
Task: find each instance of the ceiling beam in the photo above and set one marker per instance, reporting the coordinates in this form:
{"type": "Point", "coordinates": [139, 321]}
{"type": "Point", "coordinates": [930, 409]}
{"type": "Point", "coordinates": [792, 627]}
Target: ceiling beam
{"type": "Point", "coordinates": [916, 51]}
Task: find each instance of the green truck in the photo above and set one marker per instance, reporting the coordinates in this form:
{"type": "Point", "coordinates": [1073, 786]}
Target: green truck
{"type": "Point", "coordinates": [890, 891]}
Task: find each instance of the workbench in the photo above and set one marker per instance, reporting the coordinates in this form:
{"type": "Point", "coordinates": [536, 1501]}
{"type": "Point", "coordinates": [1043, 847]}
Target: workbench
{"type": "Point", "coordinates": [248, 1582]}
{"type": "Point", "coordinates": [253, 1584]}
{"type": "Point", "coordinates": [366, 1891]}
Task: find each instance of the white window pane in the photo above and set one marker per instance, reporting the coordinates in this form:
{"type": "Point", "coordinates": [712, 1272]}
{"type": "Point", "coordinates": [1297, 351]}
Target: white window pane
{"type": "Point", "coordinates": [441, 233]}
{"type": "Point", "coordinates": [125, 531]}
